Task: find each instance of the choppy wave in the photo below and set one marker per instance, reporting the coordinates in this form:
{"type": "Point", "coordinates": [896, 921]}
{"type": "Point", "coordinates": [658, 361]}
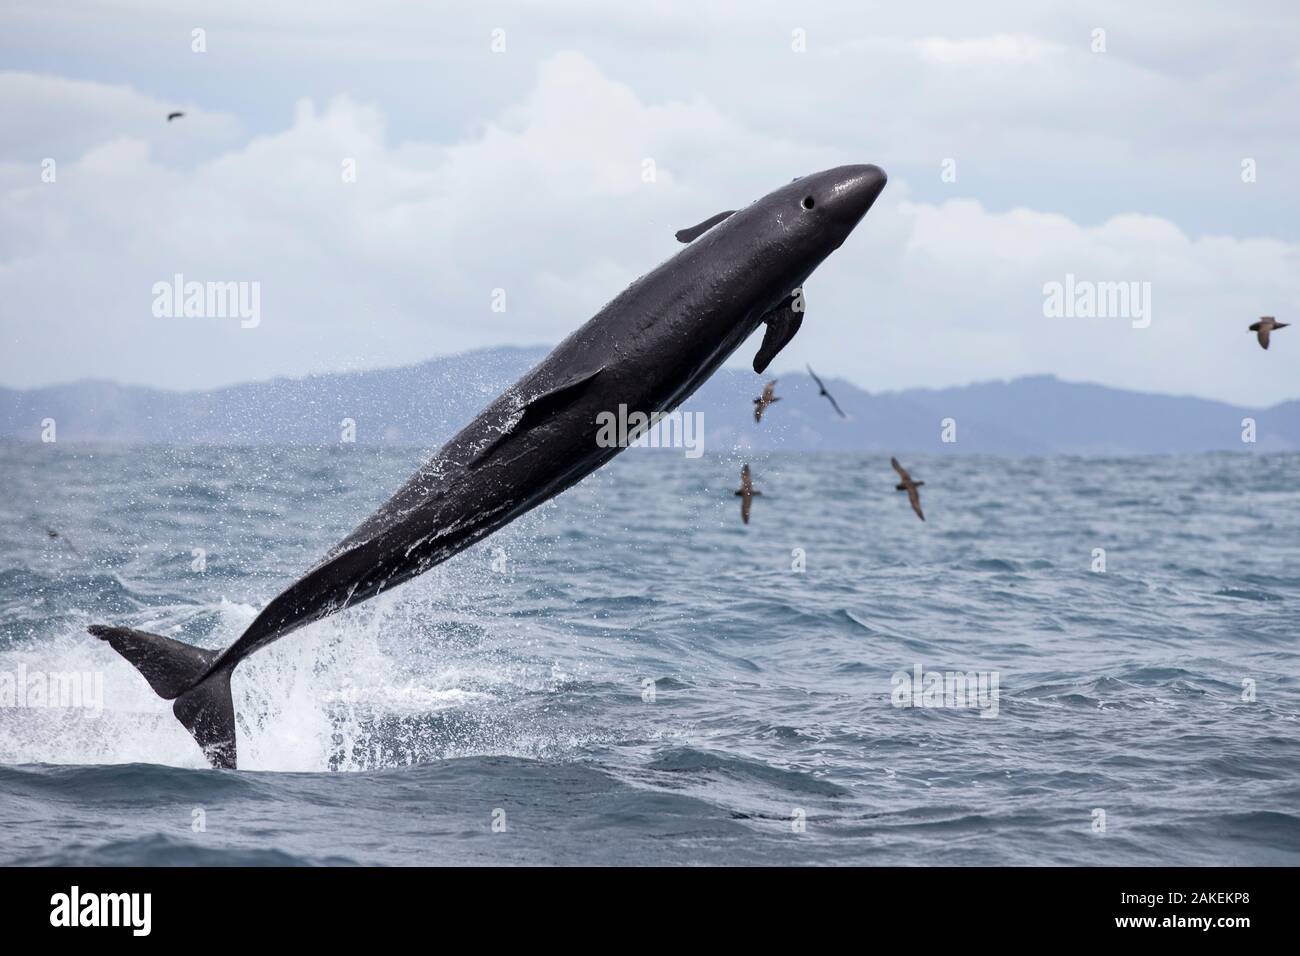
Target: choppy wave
{"type": "Point", "coordinates": [629, 674]}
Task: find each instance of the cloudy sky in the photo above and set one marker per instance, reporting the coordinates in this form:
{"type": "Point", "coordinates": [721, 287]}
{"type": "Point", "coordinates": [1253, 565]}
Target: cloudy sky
{"type": "Point", "coordinates": [523, 169]}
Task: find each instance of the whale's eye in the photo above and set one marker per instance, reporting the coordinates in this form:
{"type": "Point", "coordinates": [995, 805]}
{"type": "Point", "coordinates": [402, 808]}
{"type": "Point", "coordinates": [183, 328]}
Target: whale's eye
{"type": "Point", "coordinates": [807, 202]}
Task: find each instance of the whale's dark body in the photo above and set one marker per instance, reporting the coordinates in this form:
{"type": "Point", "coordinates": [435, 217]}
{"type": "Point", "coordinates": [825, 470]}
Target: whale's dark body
{"type": "Point", "coordinates": [648, 349]}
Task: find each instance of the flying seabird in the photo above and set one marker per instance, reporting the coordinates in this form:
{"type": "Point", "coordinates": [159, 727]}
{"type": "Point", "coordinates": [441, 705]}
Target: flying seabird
{"type": "Point", "coordinates": [834, 404]}
{"type": "Point", "coordinates": [1265, 325]}
{"type": "Point", "coordinates": [910, 486]}
{"type": "Point", "coordinates": [764, 400]}
{"type": "Point", "coordinates": [176, 115]}
{"type": "Point", "coordinates": [746, 493]}
{"type": "Point", "coordinates": [53, 535]}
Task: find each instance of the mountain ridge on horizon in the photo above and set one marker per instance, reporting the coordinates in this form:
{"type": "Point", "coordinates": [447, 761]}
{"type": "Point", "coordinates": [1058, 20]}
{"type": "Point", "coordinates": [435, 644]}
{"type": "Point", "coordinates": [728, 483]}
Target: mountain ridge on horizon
{"type": "Point", "coordinates": [542, 350]}
{"type": "Point", "coordinates": [426, 402]}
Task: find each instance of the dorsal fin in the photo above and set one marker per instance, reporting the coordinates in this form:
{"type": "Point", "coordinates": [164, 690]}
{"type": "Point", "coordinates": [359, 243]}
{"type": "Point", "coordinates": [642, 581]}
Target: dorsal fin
{"type": "Point", "coordinates": [783, 322]}
{"type": "Point", "coordinates": [541, 407]}
{"type": "Point", "coordinates": [694, 232]}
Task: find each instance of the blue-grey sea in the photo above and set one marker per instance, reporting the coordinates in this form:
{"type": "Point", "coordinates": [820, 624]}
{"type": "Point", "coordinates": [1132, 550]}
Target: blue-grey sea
{"type": "Point", "coordinates": [629, 675]}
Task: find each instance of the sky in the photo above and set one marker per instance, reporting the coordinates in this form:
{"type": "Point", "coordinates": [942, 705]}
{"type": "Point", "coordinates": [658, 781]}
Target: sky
{"type": "Point", "coordinates": [403, 180]}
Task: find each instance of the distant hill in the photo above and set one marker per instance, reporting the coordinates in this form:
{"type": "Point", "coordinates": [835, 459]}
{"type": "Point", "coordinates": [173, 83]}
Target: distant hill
{"type": "Point", "coordinates": [424, 405]}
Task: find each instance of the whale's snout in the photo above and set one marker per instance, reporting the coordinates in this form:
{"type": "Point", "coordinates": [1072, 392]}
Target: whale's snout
{"type": "Point", "coordinates": [852, 191]}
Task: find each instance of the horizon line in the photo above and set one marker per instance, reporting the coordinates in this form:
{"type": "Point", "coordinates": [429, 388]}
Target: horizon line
{"type": "Point", "coordinates": [973, 383]}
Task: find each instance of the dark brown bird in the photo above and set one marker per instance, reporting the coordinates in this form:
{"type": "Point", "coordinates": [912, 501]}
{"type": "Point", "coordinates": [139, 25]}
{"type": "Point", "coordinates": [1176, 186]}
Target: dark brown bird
{"type": "Point", "coordinates": [834, 404]}
{"type": "Point", "coordinates": [746, 493]}
{"type": "Point", "coordinates": [910, 486]}
{"type": "Point", "coordinates": [54, 535]}
{"type": "Point", "coordinates": [764, 400]}
{"type": "Point", "coordinates": [177, 115]}
{"type": "Point", "coordinates": [1265, 325]}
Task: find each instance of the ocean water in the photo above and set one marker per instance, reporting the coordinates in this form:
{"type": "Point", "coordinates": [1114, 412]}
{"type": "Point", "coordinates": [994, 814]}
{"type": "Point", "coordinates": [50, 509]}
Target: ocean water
{"type": "Point", "coordinates": [630, 675]}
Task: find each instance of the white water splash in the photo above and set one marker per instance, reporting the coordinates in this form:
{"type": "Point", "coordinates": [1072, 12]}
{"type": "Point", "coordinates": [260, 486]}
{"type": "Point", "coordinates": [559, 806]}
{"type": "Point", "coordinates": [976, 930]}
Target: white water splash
{"type": "Point", "coordinates": [324, 698]}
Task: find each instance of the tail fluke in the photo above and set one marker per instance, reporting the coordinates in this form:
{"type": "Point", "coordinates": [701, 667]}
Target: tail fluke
{"type": "Point", "coordinates": [170, 667]}
{"type": "Point", "coordinates": [176, 671]}
{"type": "Point", "coordinates": [208, 713]}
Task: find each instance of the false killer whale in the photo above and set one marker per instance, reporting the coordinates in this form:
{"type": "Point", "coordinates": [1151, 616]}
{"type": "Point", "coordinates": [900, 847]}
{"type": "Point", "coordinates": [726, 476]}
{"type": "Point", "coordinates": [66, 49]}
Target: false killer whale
{"type": "Point", "coordinates": [649, 349]}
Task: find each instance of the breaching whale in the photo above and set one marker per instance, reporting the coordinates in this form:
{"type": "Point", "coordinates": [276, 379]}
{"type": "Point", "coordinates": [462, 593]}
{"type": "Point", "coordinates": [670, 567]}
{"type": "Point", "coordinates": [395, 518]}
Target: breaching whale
{"type": "Point", "coordinates": [648, 349]}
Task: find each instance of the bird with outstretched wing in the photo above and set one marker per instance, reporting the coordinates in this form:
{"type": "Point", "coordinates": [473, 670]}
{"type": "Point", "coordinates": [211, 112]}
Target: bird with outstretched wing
{"type": "Point", "coordinates": [746, 493]}
{"type": "Point", "coordinates": [767, 398]}
{"type": "Point", "coordinates": [907, 484]}
{"type": "Point", "coordinates": [834, 404]}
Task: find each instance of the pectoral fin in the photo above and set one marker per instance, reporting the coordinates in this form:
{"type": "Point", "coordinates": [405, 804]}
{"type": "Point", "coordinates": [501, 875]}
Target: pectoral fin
{"type": "Point", "coordinates": [782, 324]}
{"type": "Point", "coordinates": [555, 399]}
{"type": "Point", "coordinates": [542, 406]}
{"type": "Point", "coordinates": [694, 232]}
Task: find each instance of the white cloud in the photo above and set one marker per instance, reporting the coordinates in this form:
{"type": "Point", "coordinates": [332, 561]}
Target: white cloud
{"type": "Point", "coordinates": [53, 116]}
{"type": "Point", "coordinates": [977, 51]}
{"type": "Point", "coordinates": [958, 296]}
{"type": "Point", "coordinates": [547, 201]}
{"type": "Point", "coordinates": [396, 266]}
